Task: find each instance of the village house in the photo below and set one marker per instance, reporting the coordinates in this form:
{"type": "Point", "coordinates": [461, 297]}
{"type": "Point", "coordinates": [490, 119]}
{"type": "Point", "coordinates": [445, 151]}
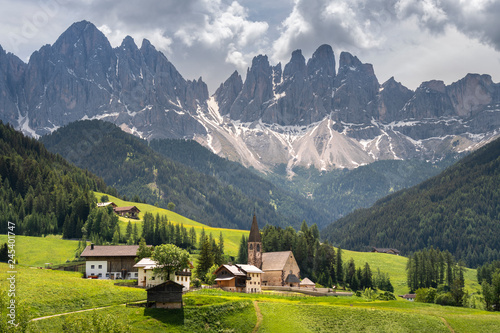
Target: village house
{"type": "Point", "coordinates": [166, 295]}
{"type": "Point", "coordinates": [307, 284]}
{"type": "Point", "coordinates": [279, 268]}
{"type": "Point", "coordinates": [128, 211]}
{"type": "Point", "coordinates": [110, 261]}
{"type": "Point", "coordinates": [384, 250]}
{"type": "Point", "coordinates": [147, 277]}
{"type": "Point", "coordinates": [240, 278]}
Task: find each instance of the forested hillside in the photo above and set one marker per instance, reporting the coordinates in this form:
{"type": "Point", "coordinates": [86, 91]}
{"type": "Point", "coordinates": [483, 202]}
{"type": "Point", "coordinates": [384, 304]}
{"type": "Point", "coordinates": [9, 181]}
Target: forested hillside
{"type": "Point", "coordinates": [457, 211]}
{"type": "Point", "coordinates": [134, 169]}
{"type": "Point", "coordinates": [41, 193]}
{"type": "Point", "coordinates": [194, 155]}
{"type": "Point", "coordinates": [341, 191]}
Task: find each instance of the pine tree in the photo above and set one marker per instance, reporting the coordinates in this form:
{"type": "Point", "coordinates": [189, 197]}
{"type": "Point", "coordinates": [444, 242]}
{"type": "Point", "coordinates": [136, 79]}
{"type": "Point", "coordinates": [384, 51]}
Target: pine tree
{"type": "Point", "coordinates": [205, 259]}
{"type": "Point", "coordinates": [243, 251]}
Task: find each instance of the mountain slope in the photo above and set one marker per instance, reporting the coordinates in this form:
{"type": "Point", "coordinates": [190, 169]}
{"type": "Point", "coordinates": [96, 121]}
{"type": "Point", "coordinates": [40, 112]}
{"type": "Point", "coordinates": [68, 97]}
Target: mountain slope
{"type": "Point", "coordinates": [292, 206]}
{"type": "Point", "coordinates": [134, 168]}
{"type": "Point", "coordinates": [41, 193]}
{"type": "Point", "coordinates": [458, 211]}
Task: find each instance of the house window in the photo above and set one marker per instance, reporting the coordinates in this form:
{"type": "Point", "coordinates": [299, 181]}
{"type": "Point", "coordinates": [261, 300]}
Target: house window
{"type": "Point", "coordinates": [136, 274]}
{"type": "Point", "coordinates": [100, 266]}
{"type": "Point", "coordinates": [153, 278]}
{"type": "Point", "coordinates": [100, 275]}
{"type": "Point", "coordinates": [92, 266]}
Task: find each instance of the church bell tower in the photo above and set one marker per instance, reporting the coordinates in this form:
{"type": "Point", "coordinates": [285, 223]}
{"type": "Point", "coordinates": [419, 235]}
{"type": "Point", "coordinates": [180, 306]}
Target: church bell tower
{"type": "Point", "coordinates": [255, 245]}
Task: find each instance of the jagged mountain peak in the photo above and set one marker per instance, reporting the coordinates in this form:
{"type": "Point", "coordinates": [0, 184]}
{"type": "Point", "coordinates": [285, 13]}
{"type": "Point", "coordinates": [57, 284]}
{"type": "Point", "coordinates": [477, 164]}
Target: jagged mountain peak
{"type": "Point", "coordinates": [322, 62]}
{"type": "Point", "coordinates": [128, 43]}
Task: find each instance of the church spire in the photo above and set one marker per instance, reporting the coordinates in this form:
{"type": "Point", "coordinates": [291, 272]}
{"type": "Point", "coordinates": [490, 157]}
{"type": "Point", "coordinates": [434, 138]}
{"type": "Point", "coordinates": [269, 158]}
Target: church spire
{"type": "Point", "coordinates": [255, 245]}
{"type": "Point", "coordinates": [254, 231]}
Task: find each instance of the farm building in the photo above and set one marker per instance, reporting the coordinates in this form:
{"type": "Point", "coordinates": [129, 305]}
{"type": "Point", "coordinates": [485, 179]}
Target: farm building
{"type": "Point", "coordinates": [110, 261]}
{"type": "Point", "coordinates": [167, 295]}
{"type": "Point", "coordinates": [306, 283]}
{"type": "Point", "coordinates": [147, 278]}
{"type": "Point", "coordinates": [279, 268]}
{"type": "Point", "coordinates": [241, 278]}
{"type": "Point", "coordinates": [385, 250]}
{"type": "Point", "coordinates": [129, 211]}
{"type": "Point", "coordinates": [106, 204]}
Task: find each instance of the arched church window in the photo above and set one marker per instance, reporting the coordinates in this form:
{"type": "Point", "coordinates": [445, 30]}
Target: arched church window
{"type": "Point", "coordinates": [258, 247]}
{"type": "Point", "coordinates": [251, 246]}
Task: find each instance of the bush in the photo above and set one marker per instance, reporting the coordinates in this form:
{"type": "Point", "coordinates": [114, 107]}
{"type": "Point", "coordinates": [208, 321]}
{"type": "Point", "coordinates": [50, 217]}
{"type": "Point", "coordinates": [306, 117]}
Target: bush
{"type": "Point", "coordinates": [195, 283]}
{"type": "Point", "coordinates": [445, 299]}
{"type": "Point", "coordinates": [425, 295]}
{"type": "Point", "coordinates": [386, 296]}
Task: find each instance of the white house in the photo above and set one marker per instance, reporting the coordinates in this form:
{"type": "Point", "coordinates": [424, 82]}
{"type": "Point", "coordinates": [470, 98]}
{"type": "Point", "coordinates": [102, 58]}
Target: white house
{"type": "Point", "coordinates": [147, 278]}
{"type": "Point", "coordinates": [110, 261]}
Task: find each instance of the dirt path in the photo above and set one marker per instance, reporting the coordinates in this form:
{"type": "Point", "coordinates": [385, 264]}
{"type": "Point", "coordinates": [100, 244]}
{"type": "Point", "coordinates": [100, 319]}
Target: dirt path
{"type": "Point", "coordinates": [259, 317]}
{"type": "Point", "coordinates": [447, 325]}
{"type": "Point", "coordinates": [67, 313]}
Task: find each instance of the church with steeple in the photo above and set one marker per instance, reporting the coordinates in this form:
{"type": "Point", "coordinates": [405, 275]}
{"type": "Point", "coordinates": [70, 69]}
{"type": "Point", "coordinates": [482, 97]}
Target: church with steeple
{"type": "Point", "coordinates": [280, 268]}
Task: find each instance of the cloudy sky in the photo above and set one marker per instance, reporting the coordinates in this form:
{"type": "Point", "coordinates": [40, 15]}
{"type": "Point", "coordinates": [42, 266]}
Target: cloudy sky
{"type": "Point", "coordinates": [412, 40]}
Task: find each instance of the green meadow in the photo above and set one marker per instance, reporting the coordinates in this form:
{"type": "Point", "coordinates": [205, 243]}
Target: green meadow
{"type": "Point", "coordinates": [395, 266]}
{"type": "Point", "coordinates": [38, 251]}
{"type": "Point", "coordinates": [232, 237]}
{"type": "Point", "coordinates": [218, 311]}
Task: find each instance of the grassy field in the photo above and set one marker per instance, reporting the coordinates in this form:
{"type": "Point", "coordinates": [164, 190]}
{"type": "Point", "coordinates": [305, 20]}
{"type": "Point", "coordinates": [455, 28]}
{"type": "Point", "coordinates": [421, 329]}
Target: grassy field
{"type": "Point", "coordinates": [217, 311]}
{"type": "Point", "coordinates": [396, 267]}
{"type": "Point", "coordinates": [37, 251]}
{"type": "Point", "coordinates": [232, 237]}
{"type": "Point", "coordinates": [49, 292]}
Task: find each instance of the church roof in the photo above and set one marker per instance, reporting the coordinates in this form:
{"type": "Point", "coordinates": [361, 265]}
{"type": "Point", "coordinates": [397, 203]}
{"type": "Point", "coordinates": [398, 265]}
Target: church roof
{"type": "Point", "coordinates": [275, 261]}
{"type": "Point", "coordinates": [254, 231]}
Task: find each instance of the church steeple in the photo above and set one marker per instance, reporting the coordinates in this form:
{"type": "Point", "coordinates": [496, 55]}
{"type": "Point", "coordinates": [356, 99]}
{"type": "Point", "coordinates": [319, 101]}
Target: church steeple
{"type": "Point", "coordinates": [255, 245]}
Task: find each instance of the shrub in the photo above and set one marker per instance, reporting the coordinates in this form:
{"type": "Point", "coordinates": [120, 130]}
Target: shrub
{"type": "Point", "coordinates": [445, 299]}
{"type": "Point", "coordinates": [425, 295]}
{"type": "Point", "coordinates": [386, 296]}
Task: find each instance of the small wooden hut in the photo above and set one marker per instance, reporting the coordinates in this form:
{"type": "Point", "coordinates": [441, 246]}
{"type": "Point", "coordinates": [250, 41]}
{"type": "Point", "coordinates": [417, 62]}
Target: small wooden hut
{"type": "Point", "coordinates": [167, 295]}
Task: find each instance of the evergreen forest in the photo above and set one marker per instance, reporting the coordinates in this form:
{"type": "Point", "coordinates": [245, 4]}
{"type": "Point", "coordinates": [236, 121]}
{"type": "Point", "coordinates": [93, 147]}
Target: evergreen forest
{"type": "Point", "coordinates": [457, 211]}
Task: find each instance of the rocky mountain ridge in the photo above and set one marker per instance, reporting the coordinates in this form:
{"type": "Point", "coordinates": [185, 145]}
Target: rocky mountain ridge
{"type": "Point", "coordinates": [307, 113]}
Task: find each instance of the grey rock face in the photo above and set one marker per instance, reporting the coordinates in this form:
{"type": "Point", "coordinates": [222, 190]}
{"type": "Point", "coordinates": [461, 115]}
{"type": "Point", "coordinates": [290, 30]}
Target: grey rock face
{"type": "Point", "coordinates": [81, 76]}
{"type": "Point", "coordinates": [306, 112]}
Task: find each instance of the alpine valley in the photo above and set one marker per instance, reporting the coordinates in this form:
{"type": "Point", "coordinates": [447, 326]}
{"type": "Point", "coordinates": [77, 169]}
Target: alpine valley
{"type": "Point", "coordinates": [302, 114]}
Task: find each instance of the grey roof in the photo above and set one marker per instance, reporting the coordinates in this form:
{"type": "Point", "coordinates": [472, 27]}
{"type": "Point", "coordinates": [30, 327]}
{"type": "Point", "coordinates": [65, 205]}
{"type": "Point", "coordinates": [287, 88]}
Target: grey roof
{"type": "Point", "coordinates": [254, 231]}
{"type": "Point", "coordinates": [275, 261]}
{"type": "Point", "coordinates": [110, 251]}
{"type": "Point", "coordinates": [291, 278]}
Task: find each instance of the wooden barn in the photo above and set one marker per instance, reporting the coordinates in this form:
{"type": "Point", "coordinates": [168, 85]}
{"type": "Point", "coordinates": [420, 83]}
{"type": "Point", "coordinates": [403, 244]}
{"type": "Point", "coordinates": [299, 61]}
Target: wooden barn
{"type": "Point", "coordinates": [385, 250]}
{"type": "Point", "coordinates": [167, 295]}
{"type": "Point", "coordinates": [129, 211]}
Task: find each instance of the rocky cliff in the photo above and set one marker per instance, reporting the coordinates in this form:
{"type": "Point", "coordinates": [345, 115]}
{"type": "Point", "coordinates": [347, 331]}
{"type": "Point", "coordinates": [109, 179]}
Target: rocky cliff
{"type": "Point", "coordinates": [307, 112]}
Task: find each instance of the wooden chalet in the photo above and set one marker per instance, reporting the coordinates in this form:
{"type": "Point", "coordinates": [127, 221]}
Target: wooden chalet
{"type": "Point", "coordinates": [167, 295]}
{"type": "Point", "coordinates": [240, 278]}
{"type": "Point", "coordinates": [385, 250]}
{"type": "Point", "coordinates": [110, 261]}
{"type": "Point", "coordinates": [128, 211]}
{"type": "Point", "coordinates": [409, 297]}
